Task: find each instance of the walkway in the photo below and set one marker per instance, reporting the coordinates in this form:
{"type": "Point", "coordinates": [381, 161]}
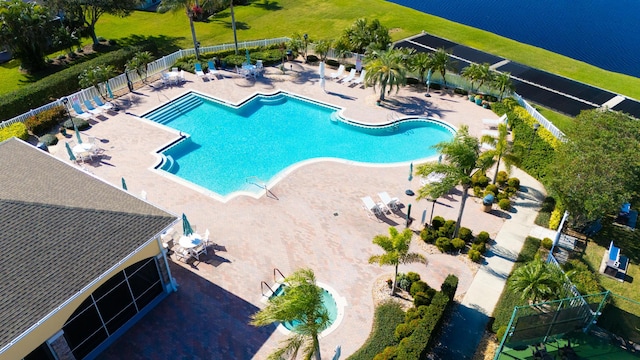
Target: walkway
{"type": "Point", "coordinates": [541, 87]}
{"type": "Point", "coordinates": [463, 333]}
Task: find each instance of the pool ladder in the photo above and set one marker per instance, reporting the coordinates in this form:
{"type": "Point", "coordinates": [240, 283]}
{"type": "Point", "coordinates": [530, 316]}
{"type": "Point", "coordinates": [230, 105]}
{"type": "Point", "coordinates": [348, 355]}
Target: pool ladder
{"type": "Point", "coordinates": [262, 286]}
{"type": "Point", "coordinates": [261, 184]}
{"type": "Point", "coordinates": [276, 272]}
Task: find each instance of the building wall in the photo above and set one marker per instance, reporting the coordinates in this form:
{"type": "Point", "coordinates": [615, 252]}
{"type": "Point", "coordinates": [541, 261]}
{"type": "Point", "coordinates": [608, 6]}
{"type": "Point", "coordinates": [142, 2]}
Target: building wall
{"type": "Point", "coordinates": [54, 323]}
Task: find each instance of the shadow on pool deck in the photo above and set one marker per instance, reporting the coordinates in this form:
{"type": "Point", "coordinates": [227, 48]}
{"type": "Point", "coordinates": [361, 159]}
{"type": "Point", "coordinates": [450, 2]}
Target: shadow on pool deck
{"type": "Point", "coordinates": [200, 321]}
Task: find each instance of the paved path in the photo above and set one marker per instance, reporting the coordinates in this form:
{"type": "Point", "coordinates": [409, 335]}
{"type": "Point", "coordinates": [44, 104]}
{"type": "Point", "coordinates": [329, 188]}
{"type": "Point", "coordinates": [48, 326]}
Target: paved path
{"type": "Point", "coordinates": [463, 333]}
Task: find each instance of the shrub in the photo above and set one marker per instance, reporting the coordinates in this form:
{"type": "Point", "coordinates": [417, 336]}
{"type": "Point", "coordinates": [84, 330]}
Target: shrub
{"type": "Point", "coordinates": [480, 179]}
{"type": "Point", "coordinates": [510, 191]}
{"type": "Point", "coordinates": [502, 195]}
{"type": "Point", "coordinates": [423, 298]}
{"type": "Point", "coordinates": [580, 275]}
{"type": "Point", "coordinates": [419, 286]}
{"type": "Point", "coordinates": [502, 178]}
{"type": "Point", "coordinates": [44, 121]}
{"type": "Point", "coordinates": [447, 229]}
{"type": "Point", "coordinates": [556, 217]}
{"type": "Point", "coordinates": [443, 244]}
{"type": "Point", "coordinates": [479, 247]}
{"type": "Point", "coordinates": [389, 353]}
{"type": "Point", "coordinates": [437, 222]}
{"type": "Point", "coordinates": [483, 237]}
{"type": "Point", "coordinates": [514, 182]}
{"type": "Point", "coordinates": [458, 244]}
{"type": "Point", "coordinates": [403, 330]}
{"type": "Point", "coordinates": [478, 191]}
{"type": "Point", "coordinates": [548, 204]}
{"type": "Point", "coordinates": [428, 235]}
{"type": "Point", "coordinates": [312, 58]}
{"type": "Point", "coordinates": [18, 130]}
{"type": "Point", "coordinates": [387, 317]}
{"type": "Point", "coordinates": [48, 139]}
{"type": "Point", "coordinates": [333, 63]}
{"type": "Point", "coordinates": [474, 255]}
{"type": "Point", "coordinates": [422, 338]}
{"type": "Point", "coordinates": [491, 188]}
{"type": "Point", "coordinates": [81, 124]}
{"type": "Point", "coordinates": [413, 276]}
{"type": "Point", "coordinates": [547, 243]}
{"type": "Point", "coordinates": [465, 233]}
{"type": "Point", "coordinates": [504, 204]}
{"type": "Point", "coordinates": [404, 281]}
{"type": "Point", "coordinates": [500, 332]}
{"type": "Point", "coordinates": [449, 286]}
{"type": "Point", "coordinates": [412, 314]}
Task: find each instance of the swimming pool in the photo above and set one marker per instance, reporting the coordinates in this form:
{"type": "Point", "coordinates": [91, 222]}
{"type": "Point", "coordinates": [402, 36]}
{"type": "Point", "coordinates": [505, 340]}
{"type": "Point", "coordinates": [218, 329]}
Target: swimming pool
{"type": "Point", "coordinates": [235, 148]}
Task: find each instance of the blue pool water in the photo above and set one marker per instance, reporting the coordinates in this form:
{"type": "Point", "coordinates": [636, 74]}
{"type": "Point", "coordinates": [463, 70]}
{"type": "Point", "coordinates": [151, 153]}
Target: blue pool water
{"type": "Point", "coordinates": [327, 300]}
{"type": "Point", "coordinates": [267, 134]}
{"type": "Point", "coordinates": [599, 32]}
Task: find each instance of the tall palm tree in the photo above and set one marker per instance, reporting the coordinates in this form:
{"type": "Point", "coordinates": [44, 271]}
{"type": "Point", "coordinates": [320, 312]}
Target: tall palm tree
{"type": "Point", "coordinates": [396, 247]}
{"type": "Point", "coordinates": [322, 48]}
{"type": "Point", "coordinates": [502, 150]}
{"type": "Point", "coordinates": [484, 74]}
{"type": "Point", "coordinates": [385, 68]}
{"type": "Point", "coordinates": [461, 159]}
{"type": "Point", "coordinates": [471, 73]}
{"type": "Point", "coordinates": [442, 63]}
{"type": "Point", "coordinates": [421, 63]}
{"type": "Point", "coordinates": [301, 301]}
{"type": "Point", "coordinates": [502, 82]}
{"type": "Point", "coordinates": [96, 76]}
{"type": "Point", "coordinates": [190, 7]}
{"type": "Point", "coordinates": [139, 63]}
{"type": "Point", "coordinates": [537, 281]}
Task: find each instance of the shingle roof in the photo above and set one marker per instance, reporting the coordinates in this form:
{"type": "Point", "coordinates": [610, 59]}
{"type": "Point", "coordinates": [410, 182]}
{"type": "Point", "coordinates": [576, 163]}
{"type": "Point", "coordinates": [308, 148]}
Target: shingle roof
{"type": "Point", "coordinates": [60, 229]}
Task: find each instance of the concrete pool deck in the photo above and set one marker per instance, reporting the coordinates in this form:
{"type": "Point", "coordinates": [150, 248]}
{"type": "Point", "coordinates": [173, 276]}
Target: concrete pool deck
{"type": "Point", "coordinates": [315, 219]}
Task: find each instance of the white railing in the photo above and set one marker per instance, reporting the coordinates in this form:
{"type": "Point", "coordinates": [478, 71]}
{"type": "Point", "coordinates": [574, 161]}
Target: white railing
{"type": "Point", "coordinates": [119, 82]}
{"type": "Point", "coordinates": [541, 119]}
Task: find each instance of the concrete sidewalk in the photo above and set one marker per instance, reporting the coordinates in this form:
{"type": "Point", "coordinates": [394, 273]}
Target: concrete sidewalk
{"type": "Point", "coordinates": [463, 333]}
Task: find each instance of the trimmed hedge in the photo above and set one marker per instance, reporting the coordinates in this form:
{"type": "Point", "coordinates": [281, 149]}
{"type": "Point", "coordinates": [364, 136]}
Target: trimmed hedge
{"type": "Point", "coordinates": [18, 130]}
{"type": "Point", "coordinates": [62, 83]}
{"type": "Point", "coordinates": [387, 317]}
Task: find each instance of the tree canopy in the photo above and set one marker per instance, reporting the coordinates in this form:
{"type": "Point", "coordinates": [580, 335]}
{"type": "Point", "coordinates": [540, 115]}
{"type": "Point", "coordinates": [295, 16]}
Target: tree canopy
{"type": "Point", "coordinates": [385, 68]}
{"type": "Point", "coordinates": [364, 36]}
{"type": "Point", "coordinates": [598, 169]}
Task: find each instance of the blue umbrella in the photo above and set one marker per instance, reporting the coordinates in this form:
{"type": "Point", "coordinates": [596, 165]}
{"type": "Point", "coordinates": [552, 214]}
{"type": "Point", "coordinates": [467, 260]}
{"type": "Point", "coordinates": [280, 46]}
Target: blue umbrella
{"type": "Point", "coordinates": [410, 171]}
{"type": "Point", "coordinates": [186, 227]}
{"type": "Point", "coordinates": [75, 128]}
{"type": "Point", "coordinates": [248, 56]}
{"type": "Point", "coordinates": [124, 184]}
{"type": "Point", "coordinates": [71, 156]}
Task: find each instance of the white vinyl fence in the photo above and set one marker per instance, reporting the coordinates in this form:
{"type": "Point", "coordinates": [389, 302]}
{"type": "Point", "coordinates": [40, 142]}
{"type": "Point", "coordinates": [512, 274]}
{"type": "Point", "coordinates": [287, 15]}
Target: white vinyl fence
{"type": "Point", "coordinates": [119, 82]}
{"type": "Point", "coordinates": [541, 119]}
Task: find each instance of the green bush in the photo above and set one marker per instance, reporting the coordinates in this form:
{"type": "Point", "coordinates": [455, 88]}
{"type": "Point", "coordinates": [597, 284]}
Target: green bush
{"type": "Point", "coordinates": [421, 340]}
{"type": "Point", "coordinates": [489, 193]}
{"type": "Point", "coordinates": [437, 223]}
{"type": "Point", "coordinates": [548, 204]}
{"type": "Point", "coordinates": [443, 244]}
{"type": "Point", "coordinates": [479, 247]}
{"type": "Point", "coordinates": [458, 244]}
{"type": "Point", "coordinates": [580, 275]}
{"type": "Point", "coordinates": [501, 196]}
{"type": "Point", "coordinates": [478, 191]}
{"type": "Point", "coordinates": [18, 130]}
{"type": "Point", "coordinates": [44, 121]}
{"type": "Point", "coordinates": [492, 188]}
{"type": "Point", "coordinates": [424, 298]}
{"type": "Point", "coordinates": [480, 179]}
{"type": "Point", "coordinates": [81, 124]}
{"type": "Point", "coordinates": [312, 59]}
{"type": "Point", "coordinates": [449, 286]}
{"type": "Point", "coordinates": [62, 83]}
{"type": "Point", "coordinates": [514, 183]}
{"type": "Point", "coordinates": [428, 235]}
{"type": "Point", "coordinates": [388, 316]}
{"type": "Point", "coordinates": [547, 243]}
{"type": "Point", "coordinates": [402, 331]}
{"type": "Point", "coordinates": [389, 353]}
{"type": "Point", "coordinates": [500, 332]}
{"type": "Point", "coordinates": [504, 204]}
{"type": "Point", "coordinates": [483, 237]}
{"type": "Point", "coordinates": [502, 178]}
{"type": "Point", "coordinates": [465, 234]}
{"type": "Point", "coordinates": [474, 255]}
{"type": "Point", "coordinates": [48, 139]}
{"type": "Point", "coordinates": [447, 229]}
{"type": "Point", "coordinates": [510, 191]}
{"type": "Point", "coordinates": [413, 276]}
{"type": "Point", "coordinates": [418, 286]}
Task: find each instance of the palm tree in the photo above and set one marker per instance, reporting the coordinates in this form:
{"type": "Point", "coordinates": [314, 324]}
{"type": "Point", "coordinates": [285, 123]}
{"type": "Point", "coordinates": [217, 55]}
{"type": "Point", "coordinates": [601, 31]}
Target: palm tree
{"type": "Point", "coordinates": [502, 150]}
{"type": "Point", "coordinates": [322, 48]}
{"type": "Point", "coordinates": [536, 281]}
{"type": "Point", "coordinates": [442, 63]}
{"type": "Point", "coordinates": [139, 63]}
{"type": "Point", "coordinates": [190, 7]}
{"type": "Point", "coordinates": [301, 301]}
{"type": "Point", "coordinates": [502, 82]}
{"type": "Point", "coordinates": [462, 159]}
{"type": "Point", "coordinates": [484, 74]}
{"type": "Point", "coordinates": [385, 68]}
{"type": "Point", "coordinates": [471, 74]}
{"type": "Point", "coordinates": [421, 63]}
{"type": "Point", "coordinates": [96, 76]}
{"type": "Point", "coordinates": [396, 247]}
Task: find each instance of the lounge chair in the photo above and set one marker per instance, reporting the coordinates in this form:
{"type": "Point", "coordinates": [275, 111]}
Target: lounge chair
{"type": "Point", "coordinates": [495, 122]}
{"type": "Point", "coordinates": [199, 71]}
{"type": "Point", "coordinates": [338, 74]}
{"type": "Point", "coordinates": [212, 68]}
{"type": "Point", "coordinates": [349, 77]}
{"type": "Point", "coordinates": [102, 105]}
{"type": "Point", "coordinates": [360, 78]}
{"type": "Point", "coordinates": [372, 208]}
{"type": "Point", "coordinates": [92, 109]}
{"type": "Point", "coordinates": [388, 201]}
{"type": "Point", "coordinates": [79, 112]}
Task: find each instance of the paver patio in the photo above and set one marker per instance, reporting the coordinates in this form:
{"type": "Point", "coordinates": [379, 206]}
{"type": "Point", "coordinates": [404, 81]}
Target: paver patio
{"type": "Point", "coordinates": [316, 221]}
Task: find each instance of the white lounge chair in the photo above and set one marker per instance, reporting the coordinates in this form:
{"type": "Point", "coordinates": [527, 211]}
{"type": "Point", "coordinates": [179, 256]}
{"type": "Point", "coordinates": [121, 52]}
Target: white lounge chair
{"type": "Point", "coordinates": [388, 201]}
{"type": "Point", "coordinates": [495, 122]}
{"type": "Point", "coordinates": [360, 78]}
{"type": "Point", "coordinates": [349, 77]}
{"type": "Point", "coordinates": [338, 74]}
{"type": "Point", "coordinates": [92, 109]}
{"type": "Point", "coordinates": [372, 208]}
{"type": "Point", "coordinates": [102, 105]}
{"type": "Point", "coordinates": [199, 72]}
{"type": "Point", "coordinates": [433, 177]}
{"type": "Point", "coordinates": [79, 112]}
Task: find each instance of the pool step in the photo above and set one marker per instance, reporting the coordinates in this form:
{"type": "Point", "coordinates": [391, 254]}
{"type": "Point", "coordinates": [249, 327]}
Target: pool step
{"type": "Point", "coordinates": [177, 108]}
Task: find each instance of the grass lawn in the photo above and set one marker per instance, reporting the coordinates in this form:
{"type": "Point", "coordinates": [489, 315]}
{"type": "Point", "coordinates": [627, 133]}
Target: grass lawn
{"type": "Point", "coordinates": [326, 20]}
{"type": "Point", "coordinates": [562, 122]}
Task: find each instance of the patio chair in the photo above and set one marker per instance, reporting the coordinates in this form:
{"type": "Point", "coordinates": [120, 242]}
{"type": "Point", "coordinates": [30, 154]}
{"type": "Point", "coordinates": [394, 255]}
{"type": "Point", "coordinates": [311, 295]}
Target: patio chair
{"type": "Point", "coordinates": [182, 253]}
{"type": "Point", "coordinates": [91, 108]}
{"type": "Point", "coordinates": [199, 71]}
{"type": "Point", "coordinates": [102, 105]}
{"type": "Point", "coordinates": [95, 148]}
{"type": "Point", "coordinates": [388, 201]}
{"type": "Point", "coordinates": [212, 69]}
{"type": "Point", "coordinates": [339, 73]}
{"type": "Point", "coordinates": [79, 112]}
{"type": "Point", "coordinates": [349, 77]}
{"type": "Point", "coordinates": [493, 123]}
{"type": "Point", "coordinates": [205, 239]}
{"type": "Point", "coordinates": [372, 208]}
{"type": "Point", "coordinates": [360, 78]}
